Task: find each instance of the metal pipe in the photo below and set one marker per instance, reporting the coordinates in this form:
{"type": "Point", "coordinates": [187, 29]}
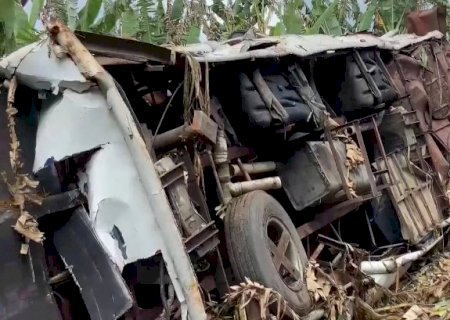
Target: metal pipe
{"type": "Point", "coordinates": [238, 188]}
{"type": "Point", "coordinates": [173, 137]}
{"type": "Point", "coordinates": [254, 168]}
{"type": "Point", "coordinates": [241, 167]}
{"type": "Point", "coordinates": [222, 164]}
{"type": "Point", "coordinates": [391, 265]}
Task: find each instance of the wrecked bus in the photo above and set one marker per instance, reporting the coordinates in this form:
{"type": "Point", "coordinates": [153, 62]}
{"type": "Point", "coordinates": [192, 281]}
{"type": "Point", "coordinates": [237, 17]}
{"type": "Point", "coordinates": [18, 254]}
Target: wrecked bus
{"type": "Point", "coordinates": [142, 181]}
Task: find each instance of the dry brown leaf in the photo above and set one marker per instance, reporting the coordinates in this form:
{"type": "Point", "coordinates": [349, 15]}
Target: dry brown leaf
{"type": "Point", "coordinates": [27, 226]}
{"type": "Point", "coordinates": [415, 313]}
{"type": "Point", "coordinates": [354, 155]}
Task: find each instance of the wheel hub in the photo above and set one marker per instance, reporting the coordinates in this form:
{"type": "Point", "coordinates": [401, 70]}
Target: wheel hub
{"type": "Point", "coordinates": [285, 255]}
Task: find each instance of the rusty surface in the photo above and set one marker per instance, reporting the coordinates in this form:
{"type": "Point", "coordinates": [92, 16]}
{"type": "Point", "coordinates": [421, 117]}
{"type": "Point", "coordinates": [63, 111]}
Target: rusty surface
{"type": "Point", "coordinates": [422, 75]}
{"type": "Point", "coordinates": [339, 165]}
{"type": "Point", "coordinates": [127, 49]}
{"type": "Point", "coordinates": [421, 22]}
{"type": "Point", "coordinates": [411, 197]}
{"type": "Point", "coordinates": [362, 146]}
{"type": "Point", "coordinates": [328, 216]}
{"type": "Point", "coordinates": [202, 127]}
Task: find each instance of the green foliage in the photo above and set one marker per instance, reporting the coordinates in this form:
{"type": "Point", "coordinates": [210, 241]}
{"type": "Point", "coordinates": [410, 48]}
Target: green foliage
{"type": "Point", "coordinates": [366, 18]}
{"type": "Point", "coordinates": [15, 28]}
{"type": "Point", "coordinates": [88, 14]}
{"type": "Point", "coordinates": [193, 34]}
{"type": "Point", "coordinates": [35, 11]}
{"type": "Point", "coordinates": [177, 10]}
{"type": "Point", "coordinates": [184, 20]}
{"type": "Point", "coordinates": [326, 21]}
{"type": "Point", "coordinates": [72, 14]}
{"type": "Point", "coordinates": [293, 21]}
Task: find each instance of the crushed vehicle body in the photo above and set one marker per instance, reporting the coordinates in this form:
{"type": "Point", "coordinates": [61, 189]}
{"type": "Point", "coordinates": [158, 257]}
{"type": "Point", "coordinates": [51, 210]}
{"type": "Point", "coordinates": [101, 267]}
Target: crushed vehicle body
{"type": "Point", "coordinates": [142, 181]}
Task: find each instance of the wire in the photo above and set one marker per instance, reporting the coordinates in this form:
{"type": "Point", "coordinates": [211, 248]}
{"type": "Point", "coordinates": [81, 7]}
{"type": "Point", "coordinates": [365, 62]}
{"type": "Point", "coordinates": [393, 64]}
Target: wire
{"type": "Point", "coordinates": [167, 108]}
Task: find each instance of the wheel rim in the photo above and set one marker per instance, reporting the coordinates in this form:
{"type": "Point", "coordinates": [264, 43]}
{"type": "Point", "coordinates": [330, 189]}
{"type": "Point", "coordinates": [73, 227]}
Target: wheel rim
{"type": "Point", "coordinates": [285, 255]}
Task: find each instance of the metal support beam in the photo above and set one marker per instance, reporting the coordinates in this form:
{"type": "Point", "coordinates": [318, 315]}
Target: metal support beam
{"type": "Point", "coordinates": [202, 127]}
{"type": "Point", "coordinates": [328, 216]}
{"type": "Point", "coordinates": [362, 146]}
{"type": "Point", "coordinates": [339, 164]}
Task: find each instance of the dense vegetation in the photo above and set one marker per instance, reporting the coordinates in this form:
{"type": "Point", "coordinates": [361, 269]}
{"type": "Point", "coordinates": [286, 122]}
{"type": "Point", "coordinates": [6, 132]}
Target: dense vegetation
{"type": "Point", "coordinates": [182, 21]}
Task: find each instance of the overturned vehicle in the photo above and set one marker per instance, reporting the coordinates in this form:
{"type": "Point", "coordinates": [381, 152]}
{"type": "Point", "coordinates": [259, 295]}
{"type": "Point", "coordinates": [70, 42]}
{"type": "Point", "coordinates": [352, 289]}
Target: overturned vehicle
{"type": "Point", "coordinates": [141, 181]}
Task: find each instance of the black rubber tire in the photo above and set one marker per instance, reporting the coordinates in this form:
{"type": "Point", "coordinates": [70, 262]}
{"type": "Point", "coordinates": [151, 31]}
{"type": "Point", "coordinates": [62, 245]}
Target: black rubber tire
{"type": "Point", "coordinates": [245, 232]}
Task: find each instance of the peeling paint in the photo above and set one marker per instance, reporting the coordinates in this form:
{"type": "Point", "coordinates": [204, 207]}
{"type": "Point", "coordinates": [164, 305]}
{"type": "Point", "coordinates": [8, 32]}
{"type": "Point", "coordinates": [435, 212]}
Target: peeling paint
{"type": "Point", "coordinates": [117, 200]}
{"type": "Point", "coordinates": [78, 122]}
{"type": "Point", "coordinates": [39, 68]}
{"type": "Point", "coordinates": [81, 122]}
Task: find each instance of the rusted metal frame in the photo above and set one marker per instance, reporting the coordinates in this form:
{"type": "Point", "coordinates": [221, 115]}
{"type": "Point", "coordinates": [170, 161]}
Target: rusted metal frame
{"type": "Point", "coordinates": [366, 74]}
{"type": "Point", "coordinates": [220, 274]}
{"type": "Point", "coordinates": [408, 194]}
{"type": "Point", "coordinates": [123, 48]}
{"type": "Point", "coordinates": [410, 118]}
{"type": "Point", "coordinates": [216, 175]}
{"type": "Point", "coordinates": [372, 236]}
{"type": "Point", "coordinates": [395, 201]}
{"type": "Point", "coordinates": [420, 187]}
{"type": "Point", "coordinates": [176, 173]}
{"type": "Point", "coordinates": [422, 161]}
{"type": "Point", "coordinates": [364, 126]}
{"type": "Point", "coordinates": [362, 146]}
{"type": "Point", "coordinates": [202, 127]}
{"type": "Point", "coordinates": [173, 138]}
{"type": "Point", "coordinates": [244, 172]}
{"type": "Point", "coordinates": [234, 152]}
{"type": "Point", "coordinates": [222, 284]}
{"type": "Point", "coordinates": [332, 243]}
{"type": "Point", "coordinates": [203, 241]}
{"type": "Point", "coordinates": [193, 187]}
{"type": "Point", "coordinates": [198, 196]}
{"type": "Point", "coordinates": [317, 252]}
{"type": "Point", "coordinates": [148, 139]}
{"type": "Point", "coordinates": [441, 63]}
{"type": "Point", "coordinates": [56, 203]}
{"type": "Point", "coordinates": [389, 190]}
{"type": "Point", "coordinates": [441, 128]}
{"type": "Point", "coordinates": [382, 150]}
{"type": "Point", "coordinates": [385, 70]}
{"type": "Point", "coordinates": [328, 216]}
{"type": "Point", "coordinates": [412, 190]}
{"type": "Point", "coordinates": [338, 164]}
{"type": "Point", "coordinates": [403, 79]}
{"type": "Point", "coordinates": [380, 172]}
{"type": "Point", "coordinates": [172, 178]}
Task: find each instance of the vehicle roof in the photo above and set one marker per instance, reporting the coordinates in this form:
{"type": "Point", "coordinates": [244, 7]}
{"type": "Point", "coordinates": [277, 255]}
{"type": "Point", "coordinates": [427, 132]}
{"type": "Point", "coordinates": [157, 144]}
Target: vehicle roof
{"type": "Point", "coordinates": [298, 45]}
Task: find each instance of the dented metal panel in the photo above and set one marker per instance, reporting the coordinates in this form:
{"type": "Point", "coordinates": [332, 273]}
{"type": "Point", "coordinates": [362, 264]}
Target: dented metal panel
{"type": "Point", "coordinates": [82, 123]}
{"type": "Point", "coordinates": [109, 133]}
{"type": "Point", "coordinates": [101, 285]}
{"type": "Point", "coordinates": [118, 208]}
{"type": "Point", "coordinates": [298, 45]}
{"type": "Point", "coordinates": [38, 67]}
{"type": "Point", "coordinates": [24, 289]}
